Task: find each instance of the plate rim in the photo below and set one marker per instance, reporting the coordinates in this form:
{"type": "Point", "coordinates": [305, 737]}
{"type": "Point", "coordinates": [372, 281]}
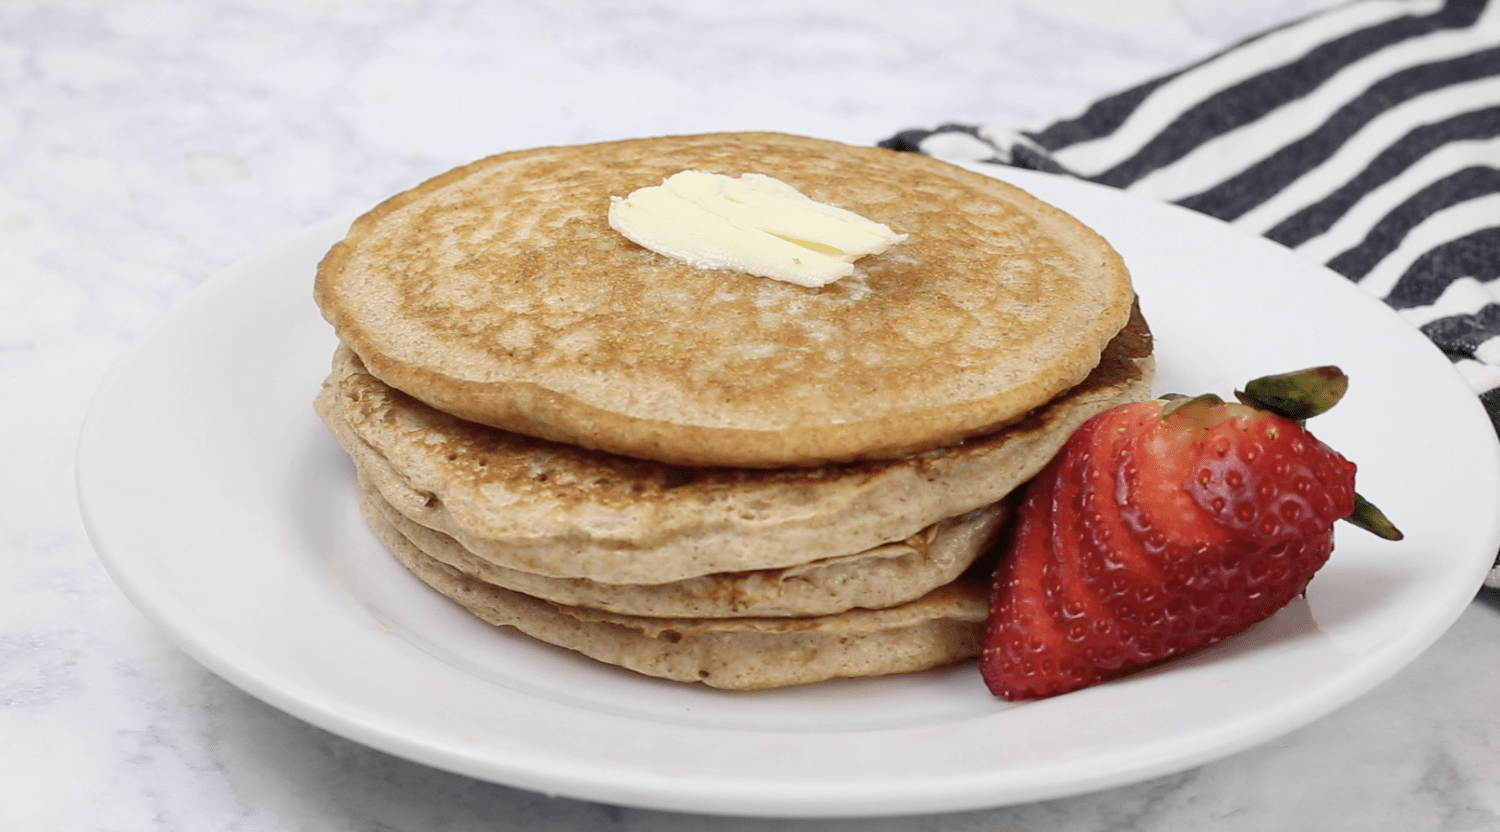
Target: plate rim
{"type": "Point", "coordinates": [644, 789]}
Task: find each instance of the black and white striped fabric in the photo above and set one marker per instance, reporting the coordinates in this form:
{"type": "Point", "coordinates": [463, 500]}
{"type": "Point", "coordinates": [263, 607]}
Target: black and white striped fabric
{"type": "Point", "coordinates": [1365, 137]}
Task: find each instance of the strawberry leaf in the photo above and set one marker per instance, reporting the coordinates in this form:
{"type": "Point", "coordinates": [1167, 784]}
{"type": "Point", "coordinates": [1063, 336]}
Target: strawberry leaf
{"type": "Point", "coordinates": [1297, 395]}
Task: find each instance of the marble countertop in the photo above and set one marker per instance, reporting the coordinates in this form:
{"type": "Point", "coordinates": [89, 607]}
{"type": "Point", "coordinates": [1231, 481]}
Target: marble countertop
{"type": "Point", "coordinates": [145, 146]}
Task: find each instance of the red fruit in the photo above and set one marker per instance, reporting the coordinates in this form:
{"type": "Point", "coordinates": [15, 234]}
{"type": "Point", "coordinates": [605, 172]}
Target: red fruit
{"type": "Point", "coordinates": [1161, 528]}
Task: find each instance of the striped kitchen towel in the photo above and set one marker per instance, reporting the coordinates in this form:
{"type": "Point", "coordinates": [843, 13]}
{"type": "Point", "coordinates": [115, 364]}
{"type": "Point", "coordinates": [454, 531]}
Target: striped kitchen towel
{"type": "Point", "coordinates": [1365, 137]}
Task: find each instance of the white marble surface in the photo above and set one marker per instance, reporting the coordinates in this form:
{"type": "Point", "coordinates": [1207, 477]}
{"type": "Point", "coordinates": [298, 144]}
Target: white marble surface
{"type": "Point", "coordinates": [146, 145]}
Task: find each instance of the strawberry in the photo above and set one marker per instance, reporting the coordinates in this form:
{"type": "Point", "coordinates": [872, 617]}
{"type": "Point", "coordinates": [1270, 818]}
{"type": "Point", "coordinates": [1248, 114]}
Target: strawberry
{"type": "Point", "coordinates": [1164, 526]}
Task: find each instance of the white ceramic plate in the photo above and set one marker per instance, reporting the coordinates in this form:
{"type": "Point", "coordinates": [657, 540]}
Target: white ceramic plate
{"type": "Point", "coordinates": [226, 513]}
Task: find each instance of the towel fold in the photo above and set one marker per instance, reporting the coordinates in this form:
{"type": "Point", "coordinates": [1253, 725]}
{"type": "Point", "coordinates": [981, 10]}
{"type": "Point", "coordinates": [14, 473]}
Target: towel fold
{"type": "Point", "coordinates": [1365, 137]}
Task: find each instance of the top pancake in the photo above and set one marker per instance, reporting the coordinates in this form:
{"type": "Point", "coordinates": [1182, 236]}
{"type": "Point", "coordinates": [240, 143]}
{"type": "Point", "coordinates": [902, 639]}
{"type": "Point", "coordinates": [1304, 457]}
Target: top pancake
{"type": "Point", "coordinates": [497, 292]}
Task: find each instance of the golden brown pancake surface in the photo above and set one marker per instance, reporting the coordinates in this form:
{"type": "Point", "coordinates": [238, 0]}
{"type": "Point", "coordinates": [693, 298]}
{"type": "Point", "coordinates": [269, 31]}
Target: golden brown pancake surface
{"type": "Point", "coordinates": [498, 293]}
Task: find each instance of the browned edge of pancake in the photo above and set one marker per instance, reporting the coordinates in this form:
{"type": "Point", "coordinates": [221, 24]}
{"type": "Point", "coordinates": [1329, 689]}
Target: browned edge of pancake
{"type": "Point", "coordinates": [671, 544]}
{"type": "Point", "coordinates": [888, 576]}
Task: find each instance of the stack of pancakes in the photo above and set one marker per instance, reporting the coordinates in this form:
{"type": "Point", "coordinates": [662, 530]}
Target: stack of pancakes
{"type": "Point", "coordinates": [704, 475]}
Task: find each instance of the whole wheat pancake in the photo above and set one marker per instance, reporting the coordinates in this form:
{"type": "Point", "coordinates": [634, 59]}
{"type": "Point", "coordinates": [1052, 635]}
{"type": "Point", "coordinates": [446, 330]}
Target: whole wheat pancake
{"type": "Point", "coordinates": [942, 627]}
{"type": "Point", "coordinates": [497, 292]}
{"type": "Point", "coordinates": [559, 511]}
{"type": "Point", "coordinates": [885, 576]}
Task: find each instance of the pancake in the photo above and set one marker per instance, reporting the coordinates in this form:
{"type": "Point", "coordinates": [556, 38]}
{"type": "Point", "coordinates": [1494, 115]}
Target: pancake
{"type": "Point", "coordinates": [885, 576]}
{"type": "Point", "coordinates": [498, 293]}
{"type": "Point", "coordinates": [559, 511]}
{"type": "Point", "coordinates": [942, 627]}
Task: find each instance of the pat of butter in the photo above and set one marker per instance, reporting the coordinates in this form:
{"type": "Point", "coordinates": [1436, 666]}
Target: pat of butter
{"type": "Point", "coordinates": [753, 224]}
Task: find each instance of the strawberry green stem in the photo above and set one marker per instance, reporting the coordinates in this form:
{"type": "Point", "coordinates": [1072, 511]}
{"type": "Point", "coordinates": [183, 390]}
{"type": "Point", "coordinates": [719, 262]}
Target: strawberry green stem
{"type": "Point", "coordinates": [1373, 520]}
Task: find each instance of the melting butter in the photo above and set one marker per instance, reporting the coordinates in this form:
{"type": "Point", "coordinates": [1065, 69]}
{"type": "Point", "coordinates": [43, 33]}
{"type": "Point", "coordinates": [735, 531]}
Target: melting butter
{"type": "Point", "coordinates": [754, 223]}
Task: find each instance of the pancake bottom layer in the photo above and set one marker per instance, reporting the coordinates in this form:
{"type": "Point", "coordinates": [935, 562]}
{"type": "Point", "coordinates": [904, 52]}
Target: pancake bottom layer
{"type": "Point", "coordinates": [942, 627]}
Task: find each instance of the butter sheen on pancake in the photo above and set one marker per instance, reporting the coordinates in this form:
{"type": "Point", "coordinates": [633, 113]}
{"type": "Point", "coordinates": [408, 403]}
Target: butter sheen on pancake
{"type": "Point", "coordinates": [498, 293]}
